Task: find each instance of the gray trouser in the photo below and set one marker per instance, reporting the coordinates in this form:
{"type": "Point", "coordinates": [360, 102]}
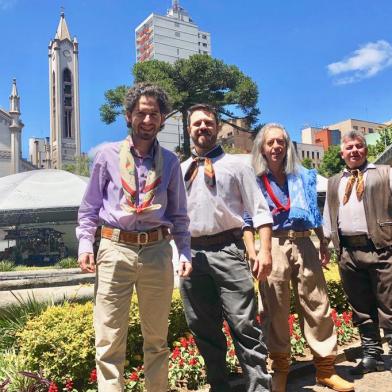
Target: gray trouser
{"type": "Point", "coordinates": [221, 287]}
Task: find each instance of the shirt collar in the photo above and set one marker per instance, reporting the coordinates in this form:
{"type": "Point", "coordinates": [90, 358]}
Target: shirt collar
{"type": "Point", "coordinates": [369, 166]}
{"type": "Point", "coordinates": [149, 155]}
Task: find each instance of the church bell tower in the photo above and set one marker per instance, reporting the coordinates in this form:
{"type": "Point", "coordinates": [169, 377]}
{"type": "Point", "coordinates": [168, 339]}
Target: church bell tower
{"type": "Point", "coordinates": [64, 97]}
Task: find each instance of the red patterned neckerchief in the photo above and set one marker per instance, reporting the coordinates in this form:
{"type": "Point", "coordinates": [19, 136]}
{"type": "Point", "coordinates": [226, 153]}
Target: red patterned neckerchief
{"type": "Point", "coordinates": [279, 206]}
{"type": "Point", "coordinates": [209, 173]}
{"type": "Point", "coordinates": [129, 175]}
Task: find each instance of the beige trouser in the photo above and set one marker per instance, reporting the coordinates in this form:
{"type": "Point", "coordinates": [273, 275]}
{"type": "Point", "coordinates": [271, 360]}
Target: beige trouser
{"type": "Point", "coordinates": [119, 268]}
{"type": "Point", "coordinates": [297, 261]}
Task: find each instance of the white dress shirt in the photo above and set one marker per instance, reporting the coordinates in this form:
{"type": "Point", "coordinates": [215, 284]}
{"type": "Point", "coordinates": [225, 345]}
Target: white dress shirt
{"type": "Point", "coordinates": [221, 208]}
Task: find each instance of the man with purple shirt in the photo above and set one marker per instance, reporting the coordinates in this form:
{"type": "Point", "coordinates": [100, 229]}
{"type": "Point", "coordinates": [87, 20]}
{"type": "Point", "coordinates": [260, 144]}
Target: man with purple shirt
{"type": "Point", "coordinates": [137, 194]}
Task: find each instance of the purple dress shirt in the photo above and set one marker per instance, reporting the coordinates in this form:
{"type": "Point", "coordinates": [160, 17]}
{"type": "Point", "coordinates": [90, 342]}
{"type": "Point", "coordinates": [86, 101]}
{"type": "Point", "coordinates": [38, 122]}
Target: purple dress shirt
{"type": "Point", "coordinates": [104, 195]}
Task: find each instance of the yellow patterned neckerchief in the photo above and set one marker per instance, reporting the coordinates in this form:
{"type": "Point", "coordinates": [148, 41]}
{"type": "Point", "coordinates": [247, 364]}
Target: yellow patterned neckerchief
{"type": "Point", "coordinates": [356, 175]}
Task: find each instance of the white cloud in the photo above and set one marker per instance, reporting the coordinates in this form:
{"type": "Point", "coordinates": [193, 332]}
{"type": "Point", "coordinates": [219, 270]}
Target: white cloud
{"type": "Point", "coordinates": [365, 62]}
{"type": "Point", "coordinates": [93, 150]}
{"type": "Point", "coordinates": [6, 4]}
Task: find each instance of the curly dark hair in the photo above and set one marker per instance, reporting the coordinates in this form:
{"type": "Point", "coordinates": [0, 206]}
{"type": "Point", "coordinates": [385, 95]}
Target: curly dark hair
{"type": "Point", "coordinates": [205, 107]}
{"type": "Point", "coordinates": [148, 89]}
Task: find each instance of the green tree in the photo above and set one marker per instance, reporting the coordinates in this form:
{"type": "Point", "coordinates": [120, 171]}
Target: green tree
{"type": "Point", "coordinates": [332, 162]}
{"type": "Point", "coordinates": [200, 78]}
{"type": "Point", "coordinates": [307, 162]}
{"type": "Point", "coordinates": [384, 141]}
{"type": "Point", "coordinates": [81, 167]}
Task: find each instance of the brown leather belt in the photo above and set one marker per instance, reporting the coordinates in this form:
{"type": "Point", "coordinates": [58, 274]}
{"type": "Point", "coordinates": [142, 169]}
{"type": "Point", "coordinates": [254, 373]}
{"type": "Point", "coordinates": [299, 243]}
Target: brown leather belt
{"type": "Point", "coordinates": [134, 237]}
{"type": "Point", "coordinates": [225, 237]}
{"type": "Point", "coordinates": [356, 241]}
{"type": "Point", "coordinates": [291, 234]}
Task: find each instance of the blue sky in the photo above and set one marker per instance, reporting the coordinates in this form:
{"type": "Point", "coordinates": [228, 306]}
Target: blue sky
{"type": "Point", "coordinates": [315, 62]}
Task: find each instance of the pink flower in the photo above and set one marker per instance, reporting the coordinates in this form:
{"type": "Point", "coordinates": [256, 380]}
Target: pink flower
{"type": "Point", "coordinates": [69, 385]}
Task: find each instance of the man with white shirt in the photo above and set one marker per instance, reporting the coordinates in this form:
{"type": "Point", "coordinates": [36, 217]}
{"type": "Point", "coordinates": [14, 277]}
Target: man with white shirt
{"type": "Point", "coordinates": [358, 219]}
{"type": "Point", "coordinates": [219, 188]}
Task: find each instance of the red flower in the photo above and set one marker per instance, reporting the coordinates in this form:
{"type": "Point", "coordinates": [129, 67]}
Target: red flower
{"type": "Point", "coordinates": [226, 328]}
{"type": "Point", "coordinates": [334, 314]}
{"type": "Point", "coordinates": [232, 353]}
{"type": "Point", "coordinates": [193, 361]}
{"type": "Point", "coordinates": [291, 324]}
{"type": "Point", "coordinates": [338, 323]}
{"type": "Point", "coordinates": [134, 376]}
{"type": "Point", "coordinates": [184, 342]}
{"type": "Point", "coordinates": [191, 340]}
{"type": "Point", "coordinates": [176, 353]}
{"type": "Point", "coordinates": [347, 317]}
{"type": "Point", "coordinates": [181, 362]}
{"type": "Point", "coordinates": [69, 385]}
{"type": "Point", "coordinates": [93, 376]}
{"type": "Point", "coordinates": [53, 387]}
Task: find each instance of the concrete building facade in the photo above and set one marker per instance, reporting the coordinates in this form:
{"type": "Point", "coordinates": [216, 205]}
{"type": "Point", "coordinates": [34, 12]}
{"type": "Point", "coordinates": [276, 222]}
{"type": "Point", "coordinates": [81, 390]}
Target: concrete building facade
{"type": "Point", "coordinates": [365, 127]}
{"type": "Point", "coordinates": [236, 138]}
{"type": "Point", "coordinates": [170, 38]}
{"type": "Point", "coordinates": [311, 151]}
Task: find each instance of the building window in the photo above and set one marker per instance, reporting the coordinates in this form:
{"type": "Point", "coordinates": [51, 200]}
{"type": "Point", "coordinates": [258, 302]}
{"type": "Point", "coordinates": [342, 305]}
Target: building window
{"type": "Point", "coordinates": [205, 52]}
{"type": "Point", "coordinates": [178, 52]}
{"type": "Point", "coordinates": [312, 154]}
{"type": "Point", "coordinates": [307, 154]}
{"type": "Point", "coordinates": [204, 36]}
{"type": "Point", "coordinates": [318, 155]}
{"type": "Point", "coordinates": [371, 130]}
{"type": "Point", "coordinates": [355, 127]}
{"type": "Point", "coordinates": [177, 33]}
{"type": "Point", "coordinates": [205, 45]}
{"type": "Point", "coordinates": [303, 154]}
{"type": "Point", "coordinates": [67, 123]}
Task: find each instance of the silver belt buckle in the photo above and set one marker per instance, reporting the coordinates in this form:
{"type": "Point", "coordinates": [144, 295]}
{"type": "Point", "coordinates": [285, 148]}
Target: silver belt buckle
{"type": "Point", "coordinates": [142, 238]}
{"type": "Point", "coordinates": [291, 235]}
{"type": "Point", "coordinates": [116, 235]}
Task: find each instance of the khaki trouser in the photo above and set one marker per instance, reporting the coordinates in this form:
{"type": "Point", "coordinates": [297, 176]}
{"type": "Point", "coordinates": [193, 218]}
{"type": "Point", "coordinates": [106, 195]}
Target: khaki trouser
{"type": "Point", "coordinates": [297, 261]}
{"type": "Point", "coordinates": [119, 268]}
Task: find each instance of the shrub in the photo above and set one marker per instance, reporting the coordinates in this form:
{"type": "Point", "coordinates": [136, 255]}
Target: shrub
{"type": "Point", "coordinates": [68, 262]}
{"type": "Point", "coordinates": [11, 366]}
{"type": "Point", "coordinates": [61, 339]}
{"type": "Point", "coordinates": [13, 318]}
{"type": "Point", "coordinates": [7, 265]}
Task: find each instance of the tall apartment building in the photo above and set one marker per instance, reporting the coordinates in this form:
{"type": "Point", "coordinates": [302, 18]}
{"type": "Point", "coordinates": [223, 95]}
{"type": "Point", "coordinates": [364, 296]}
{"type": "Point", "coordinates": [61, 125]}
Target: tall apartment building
{"type": "Point", "coordinates": [169, 38]}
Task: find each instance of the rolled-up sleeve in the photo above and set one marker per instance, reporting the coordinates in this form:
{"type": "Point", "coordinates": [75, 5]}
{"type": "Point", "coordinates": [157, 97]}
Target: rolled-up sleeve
{"type": "Point", "coordinates": [88, 215]}
{"type": "Point", "coordinates": [177, 213]}
{"type": "Point", "coordinates": [254, 200]}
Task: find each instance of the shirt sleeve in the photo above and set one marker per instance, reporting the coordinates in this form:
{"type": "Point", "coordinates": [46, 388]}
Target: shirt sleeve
{"type": "Point", "coordinates": [88, 215]}
{"type": "Point", "coordinates": [254, 200]}
{"type": "Point", "coordinates": [326, 218]}
{"type": "Point", "coordinates": [177, 213]}
{"type": "Point", "coordinates": [248, 221]}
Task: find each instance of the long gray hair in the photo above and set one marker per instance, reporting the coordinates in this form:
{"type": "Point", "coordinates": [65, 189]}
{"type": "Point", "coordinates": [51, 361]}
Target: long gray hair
{"type": "Point", "coordinates": [259, 163]}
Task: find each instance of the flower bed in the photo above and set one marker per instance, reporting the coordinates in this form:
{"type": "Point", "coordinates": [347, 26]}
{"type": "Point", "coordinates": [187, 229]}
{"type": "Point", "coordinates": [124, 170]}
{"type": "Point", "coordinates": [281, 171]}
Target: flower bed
{"type": "Point", "coordinates": [186, 365]}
